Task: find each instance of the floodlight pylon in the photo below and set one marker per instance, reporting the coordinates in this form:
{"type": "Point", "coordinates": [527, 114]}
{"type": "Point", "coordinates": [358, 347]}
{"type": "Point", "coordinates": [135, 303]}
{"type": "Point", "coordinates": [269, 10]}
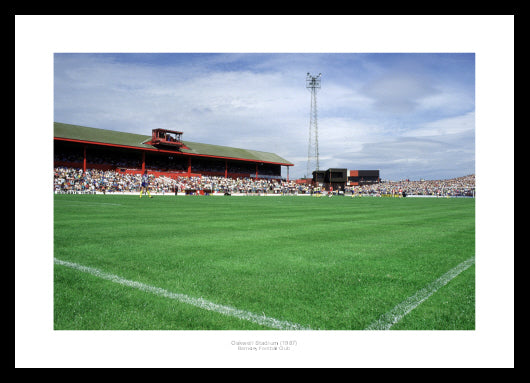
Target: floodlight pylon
{"type": "Point", "coordinates": [313, 84]}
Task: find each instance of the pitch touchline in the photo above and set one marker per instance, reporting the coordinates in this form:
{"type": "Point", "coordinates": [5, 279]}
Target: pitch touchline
{"type": "Point", "coordinates": [197, 302]}
{"type": "Point", "coordinates": [397, 313]}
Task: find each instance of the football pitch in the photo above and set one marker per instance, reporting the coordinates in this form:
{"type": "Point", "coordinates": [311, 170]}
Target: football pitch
{"type": "Point", "coordinates": [263, 263]}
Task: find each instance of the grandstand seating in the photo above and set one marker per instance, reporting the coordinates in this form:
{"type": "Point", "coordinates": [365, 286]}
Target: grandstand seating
{"type": "Point", "coordinates": [74, 180]}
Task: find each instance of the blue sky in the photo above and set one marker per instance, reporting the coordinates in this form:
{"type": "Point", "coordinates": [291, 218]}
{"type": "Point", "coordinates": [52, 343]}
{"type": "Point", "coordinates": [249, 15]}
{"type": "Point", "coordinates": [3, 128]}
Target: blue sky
{"type": "Point", "coordinates": [408, 115]}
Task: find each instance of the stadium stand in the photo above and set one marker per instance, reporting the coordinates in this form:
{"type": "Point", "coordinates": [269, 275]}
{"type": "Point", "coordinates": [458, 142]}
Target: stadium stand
{"type": "Point", "coordinates": [75, 181]}
{"type": "Point", "coordinates": [92, 148]}
{"type": "Point", "coordinates": [455, 187]}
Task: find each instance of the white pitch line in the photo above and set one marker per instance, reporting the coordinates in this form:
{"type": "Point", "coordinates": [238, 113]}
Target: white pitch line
{"type": "Point", "coordinates": [386, 321]}
{"type": "Point", "coordinates": [197, 302]}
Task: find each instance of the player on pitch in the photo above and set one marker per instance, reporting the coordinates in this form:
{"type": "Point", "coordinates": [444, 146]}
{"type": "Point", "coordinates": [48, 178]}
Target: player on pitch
{"type": "Point", "coordinates": [145, 185]}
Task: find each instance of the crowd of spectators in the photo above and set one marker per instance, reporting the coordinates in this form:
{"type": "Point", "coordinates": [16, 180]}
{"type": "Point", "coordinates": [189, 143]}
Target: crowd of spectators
{"type": "Point", "coordinates": [73, 180]}
{"type": "Point", "coordinates": [69, 157]}
{"type": "Point", "coordinates": [455, 187]}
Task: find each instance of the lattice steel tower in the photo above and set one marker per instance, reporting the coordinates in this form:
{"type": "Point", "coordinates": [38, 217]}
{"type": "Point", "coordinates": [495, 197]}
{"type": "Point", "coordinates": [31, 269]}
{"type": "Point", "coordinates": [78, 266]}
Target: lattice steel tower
{"type": "Point", "coordinates": [313, 84]}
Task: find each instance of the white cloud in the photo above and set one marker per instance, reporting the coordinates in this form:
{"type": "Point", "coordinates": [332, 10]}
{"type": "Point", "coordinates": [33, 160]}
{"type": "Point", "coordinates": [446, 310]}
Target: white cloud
{"type": "Point", "coordinates": [463, 124]}
{"type": "Point", "coordinates": [448, 101]}
{"type": "Point", "coordinates": [398, 92]}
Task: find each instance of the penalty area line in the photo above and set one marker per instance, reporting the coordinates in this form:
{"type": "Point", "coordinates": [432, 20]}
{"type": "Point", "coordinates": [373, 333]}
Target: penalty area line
{"type": "Point", "coordinates": [183, 298]}
{"type": "Point", "coordinates": [386, 321]}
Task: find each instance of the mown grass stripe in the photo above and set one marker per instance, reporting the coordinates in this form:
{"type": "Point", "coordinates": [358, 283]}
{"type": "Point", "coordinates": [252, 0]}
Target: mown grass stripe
{"type": "Point", "coordinates": [183, 298]}
{"type": "Point", "coordinates": [386, 321]}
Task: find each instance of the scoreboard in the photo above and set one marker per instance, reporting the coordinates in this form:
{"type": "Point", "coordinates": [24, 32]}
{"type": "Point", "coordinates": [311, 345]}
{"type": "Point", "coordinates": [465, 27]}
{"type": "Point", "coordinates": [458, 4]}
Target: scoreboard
{"type": "Point", "coordinates": [363, 177]}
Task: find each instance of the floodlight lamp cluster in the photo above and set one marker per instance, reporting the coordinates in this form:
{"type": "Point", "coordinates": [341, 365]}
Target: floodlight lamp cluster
{"type": "Point", "coordinates": [313, 82]}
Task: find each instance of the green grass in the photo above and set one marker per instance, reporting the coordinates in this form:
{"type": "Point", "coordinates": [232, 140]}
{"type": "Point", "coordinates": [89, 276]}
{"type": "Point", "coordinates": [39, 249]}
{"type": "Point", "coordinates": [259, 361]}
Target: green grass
{"type": "Point", "coordinates": [325, 263]}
